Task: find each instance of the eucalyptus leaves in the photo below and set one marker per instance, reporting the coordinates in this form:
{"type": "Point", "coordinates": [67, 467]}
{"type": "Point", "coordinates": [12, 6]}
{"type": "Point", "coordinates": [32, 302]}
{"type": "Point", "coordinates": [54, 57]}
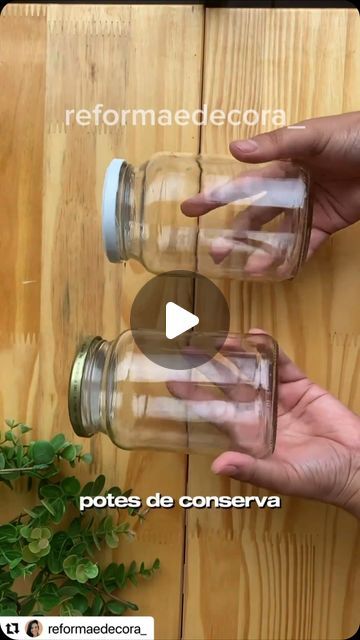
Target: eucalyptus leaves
{"type": "Point", "coordinates": [66, 575]}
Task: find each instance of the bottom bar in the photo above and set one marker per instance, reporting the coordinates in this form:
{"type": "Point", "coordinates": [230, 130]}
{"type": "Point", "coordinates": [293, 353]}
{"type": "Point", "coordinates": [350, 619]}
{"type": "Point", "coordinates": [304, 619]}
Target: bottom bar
{"type": "Point", "coordinates": [84, 628]}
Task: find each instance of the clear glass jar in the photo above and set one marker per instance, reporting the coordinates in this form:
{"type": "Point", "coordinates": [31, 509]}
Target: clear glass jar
{"type": "Point", "coordinates": [257, 221]}
{"type": "Point", "coordinates": [225, 403]}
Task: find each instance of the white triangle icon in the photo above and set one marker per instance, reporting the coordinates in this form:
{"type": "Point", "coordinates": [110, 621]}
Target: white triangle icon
{"type": "Point", "coordinates": [178, 320]}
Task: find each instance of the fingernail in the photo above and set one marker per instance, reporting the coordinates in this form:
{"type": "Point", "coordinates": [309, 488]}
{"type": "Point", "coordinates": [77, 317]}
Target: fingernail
{"type": "Point", "coordinates": [229, 470]}
{"type": "Point", "coordinates": [246, 146]}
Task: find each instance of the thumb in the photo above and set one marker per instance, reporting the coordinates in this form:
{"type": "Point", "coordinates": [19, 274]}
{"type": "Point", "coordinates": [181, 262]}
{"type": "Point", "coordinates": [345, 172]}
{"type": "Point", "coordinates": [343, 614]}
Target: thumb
{"type": "Point", "coordinates": [267, 473]}
{"type": "Point", "coordinates": [283, 143]}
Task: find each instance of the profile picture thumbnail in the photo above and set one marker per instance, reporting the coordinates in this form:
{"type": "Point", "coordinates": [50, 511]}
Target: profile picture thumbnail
{"type": "Point", "coordinates": [34, 629]}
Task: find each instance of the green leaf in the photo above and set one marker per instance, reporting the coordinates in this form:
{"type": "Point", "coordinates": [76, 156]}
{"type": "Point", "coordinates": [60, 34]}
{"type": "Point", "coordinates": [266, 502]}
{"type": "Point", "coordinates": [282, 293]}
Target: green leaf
{"type": "Point", "coordinates": [79, 603]}
{"type": "Point", "coordinates": [97, 606]}
{"type": "Point", "coordinates": [120, 575]}
{"type": "Point", "coordinates": [24, 428]}
{"type": "Point", "coordinates": [71, 486]}
{"type": "Point", "coordinates": [91, 570]}
{"type": "Point", "coordinates": [69, 566]}
{"type": "Point", "coordinates": [96, 541]}
{"type": "Point", "coordinates": [42, 452]}
{"type": "Point", "coordinates": [26, 532]}
{"type": "Point", "coordinates": [58, 442]}
{"type": "Point", "coordinates": [99, 484]}
{"type": "Point", "coordinates": [87, 489]}
{"type": "Point", "coordinates": [50, 491]}
{"type": "Point", "coordinates": [6, 580]}
{"type": "Point", "coordinates": [37, 581]}
{"type": "Point", "coordinates": [34, 547]}
{"type": "Point", "coordinates": [9, 533]}
{"type": "Point", "coordinates": [80, 574]}
{"type": "Point", "coordinates": [14, 563]}
{"type": "Point", "coordinates": [87, 457]}
{"type": "Point", "coordinates": [18, 572]}
{"type": "Point", "coordinates": [19, 454]}
{"type": "Point", "coordinates": [8, 611]}
{"type": "Point", "coordinates": [69, 453]}
{"type": "Point", "coordinates": [68, 590]}
{"type": "Point", "coordinates": [2, 461]}
{"type": "Point", "coordinates": [115, 607]}
{"type": "Point", "coordinates": [110, 572]}
{"type": "Point", "coordinates": [108, 524]}
{"type": "Point", "coordinates": [70, 561]}
{"type": "Point", "coordinates": [131, 605]}
{"type": "Point", "coordinates": [11, 423]}
{"type": "Point", "coordinates": [75, 527]}
{"type": "Point", "coordinates": [60, 508]}
{"type": "Point", "coordinates": [71, 589]}
{"type": "Point", "coordinates": [10, 437]}
{"type": "Point", "coordinates": [132, 568]}
{"type": "Point", "coordinates": [27, 607]}
{"type": "Point", "coordinates": [54, 563]}
{"type": "Point", "coordinates": [48, 602]}
{"type": "Point", "coordinates": [7, 553]}
{"type": "Point", "coordinates": [48, 504]}
{"type": "Point", "coordinates": [56, 507]}
{"type": "Point", "coordinates": [79, 549]}
{"type": "Point", "coordinates": [28, 556]}
{"type": "Point", "coordinates": [43, 543]}
{"type": "Point", "coordinates": [112, 540]}
{"type": "Point", "coordinates": [115, 491]}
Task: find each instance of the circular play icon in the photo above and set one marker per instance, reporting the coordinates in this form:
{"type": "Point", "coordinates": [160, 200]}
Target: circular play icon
{"type": "Point", "coordinates": [179, 319]}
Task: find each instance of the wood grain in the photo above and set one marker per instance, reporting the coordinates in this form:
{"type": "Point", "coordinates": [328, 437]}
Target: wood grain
{"type": "Point", "coordinates": [72, 57]}
{"type": "Point", "coordinates": [256, 575]}
{"type": "Point", "coordinates": [288, 573]}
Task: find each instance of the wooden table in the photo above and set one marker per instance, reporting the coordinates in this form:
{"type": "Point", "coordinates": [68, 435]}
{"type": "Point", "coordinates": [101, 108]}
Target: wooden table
{"type": "Point", "coordinates": [287, 574]}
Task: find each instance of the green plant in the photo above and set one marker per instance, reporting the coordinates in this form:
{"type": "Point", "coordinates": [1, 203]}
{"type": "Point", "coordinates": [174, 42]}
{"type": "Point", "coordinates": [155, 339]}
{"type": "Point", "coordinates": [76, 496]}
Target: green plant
{"type": "Point", "coordinates": [65, 574]}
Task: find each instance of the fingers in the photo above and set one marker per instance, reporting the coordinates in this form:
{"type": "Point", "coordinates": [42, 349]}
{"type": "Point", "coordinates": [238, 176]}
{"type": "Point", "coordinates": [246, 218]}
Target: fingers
{"type": "Point", "coordinates": [283, 143]}
{"type": "Point", "coordinates": [189, 391]}
{"type": "Point", "coordinates": [269, 473]}
{"type": "Point", "coordinates": [241, 188]}
{"type": "Point", "coordinates": [237, 420]}
{"type": "Point", "coordinates": [288, 371]}
{"type": "Point", "coordinates": [237, 383]}
{"type": "Point", "coordinates": [317, 238]}
{"type": "Point", "coordinates": [278, 184]}
{"type": "Point", "coordinates": [250, 220]}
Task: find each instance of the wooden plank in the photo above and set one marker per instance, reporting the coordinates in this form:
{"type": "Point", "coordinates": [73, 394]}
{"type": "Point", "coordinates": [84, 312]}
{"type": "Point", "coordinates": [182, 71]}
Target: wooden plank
{"type": "Point", "coordinates": [124, 57]}
{"type": "Point", "coordinates": [295, 572]}
{"type": "Point", "coordinates": [22, 99]}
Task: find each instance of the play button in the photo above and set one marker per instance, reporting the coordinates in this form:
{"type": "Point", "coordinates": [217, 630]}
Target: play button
{"type": "Point", "coordinates": [176, 313]}
{"type": "Point", "coordinates": [178, 320]}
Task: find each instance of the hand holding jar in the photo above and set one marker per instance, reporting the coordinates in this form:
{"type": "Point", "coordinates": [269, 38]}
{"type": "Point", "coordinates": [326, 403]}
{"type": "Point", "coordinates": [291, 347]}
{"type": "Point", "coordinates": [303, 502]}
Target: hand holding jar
{"type": "Point", "coordinates": [227, 219]}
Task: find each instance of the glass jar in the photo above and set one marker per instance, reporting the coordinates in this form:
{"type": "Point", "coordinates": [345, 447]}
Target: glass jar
{"type": "Point", "coordinates": [212, 215]}
{"type": "Point", "coordinates": [224, 403]}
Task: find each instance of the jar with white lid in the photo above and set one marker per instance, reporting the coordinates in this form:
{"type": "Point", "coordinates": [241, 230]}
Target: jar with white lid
{"type": "Point", "coordinates": [210, 215]}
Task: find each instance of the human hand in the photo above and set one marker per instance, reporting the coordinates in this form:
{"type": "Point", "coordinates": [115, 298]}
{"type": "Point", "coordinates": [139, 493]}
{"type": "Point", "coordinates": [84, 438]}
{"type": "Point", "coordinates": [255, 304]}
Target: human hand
{"type": "Point", "coordinates": [329, 148]}
{"type": "Point", "coordinates": [317, 452]}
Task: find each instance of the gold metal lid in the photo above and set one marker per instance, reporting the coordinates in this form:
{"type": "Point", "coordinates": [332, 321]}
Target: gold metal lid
{"type": "Point", "coordinates": [75, 384]}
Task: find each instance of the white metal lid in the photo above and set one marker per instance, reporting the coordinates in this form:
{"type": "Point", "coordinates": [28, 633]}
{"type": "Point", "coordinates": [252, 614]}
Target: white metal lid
{"type": "Point", "coordinates": [110, 222]}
